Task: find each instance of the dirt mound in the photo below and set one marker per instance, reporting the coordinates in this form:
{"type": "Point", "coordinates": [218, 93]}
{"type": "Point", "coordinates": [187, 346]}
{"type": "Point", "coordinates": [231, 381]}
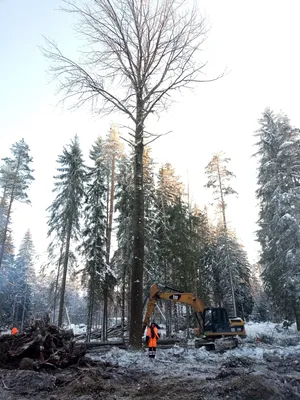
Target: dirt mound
{"type": "Point", "coordinates": [28, 382]}
{"type": "Point", "coordinates": [258, 387]}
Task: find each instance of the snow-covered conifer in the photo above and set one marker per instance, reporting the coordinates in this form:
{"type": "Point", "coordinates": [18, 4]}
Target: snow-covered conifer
{"type": "Point", "coordinates": [65, 211]}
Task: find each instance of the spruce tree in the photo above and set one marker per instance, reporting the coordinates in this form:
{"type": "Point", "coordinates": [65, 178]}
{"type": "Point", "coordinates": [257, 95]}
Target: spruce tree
{"type": "Point", "coordinates": [124, 206]}
{"type": "Point", "coordinates": [229, 247]}
{"type": "Point", "coordinates": [278, 195]}
{"type": "Point", "coordinates": [23, 281]}
{"type": "Point", "coordinates": [152, 272]}
{"type": "Point", "coordinates": [65, 211]}
{"type": "Point", "coordinates": [94, 246]}
{"type": "Point", "coordinates": [169, 191]}
{"type": "Point", "coordinates": [15, 179]}
{"type": "Point", "coordinates": [219, 177]}
{"type": "Point", "coordinates": [7, 282]}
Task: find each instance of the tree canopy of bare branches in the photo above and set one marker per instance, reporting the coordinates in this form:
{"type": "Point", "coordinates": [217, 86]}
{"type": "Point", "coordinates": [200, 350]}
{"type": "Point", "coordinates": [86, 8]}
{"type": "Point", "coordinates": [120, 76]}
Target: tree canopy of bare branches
{"type": "Point", "coordinates": [137, 53]}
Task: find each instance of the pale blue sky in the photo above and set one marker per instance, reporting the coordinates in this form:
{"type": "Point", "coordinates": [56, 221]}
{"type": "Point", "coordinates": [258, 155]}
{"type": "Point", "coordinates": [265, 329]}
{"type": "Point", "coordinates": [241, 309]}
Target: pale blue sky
{"type": "Point", "coordinates": [257, 40]}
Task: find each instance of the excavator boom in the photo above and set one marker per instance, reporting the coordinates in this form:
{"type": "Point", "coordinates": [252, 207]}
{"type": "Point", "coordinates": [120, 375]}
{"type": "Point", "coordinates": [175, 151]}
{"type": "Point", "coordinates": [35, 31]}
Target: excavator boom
{"type": "Point", "coordinates": [175, 296]}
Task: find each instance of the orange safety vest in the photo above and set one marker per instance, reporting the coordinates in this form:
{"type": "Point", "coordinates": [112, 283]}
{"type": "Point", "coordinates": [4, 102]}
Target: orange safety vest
{"type": "Point", "coordinates": [14, 331]}
{"type": "Point", "coordinates": [152, 341]}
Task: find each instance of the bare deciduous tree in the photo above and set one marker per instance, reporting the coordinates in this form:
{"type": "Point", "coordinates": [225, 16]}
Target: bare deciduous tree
{"type": "Point", "coordinates": [138, 52]}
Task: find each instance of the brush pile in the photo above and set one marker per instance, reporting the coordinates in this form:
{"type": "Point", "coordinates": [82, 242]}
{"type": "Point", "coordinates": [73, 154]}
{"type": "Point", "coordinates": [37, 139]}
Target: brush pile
{"type": "Point", "coordinates": [41, 345]}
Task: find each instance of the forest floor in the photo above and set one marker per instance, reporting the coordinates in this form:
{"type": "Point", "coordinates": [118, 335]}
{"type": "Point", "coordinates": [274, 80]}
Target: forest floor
{"type": "Point", "coordinates": [265, 366]}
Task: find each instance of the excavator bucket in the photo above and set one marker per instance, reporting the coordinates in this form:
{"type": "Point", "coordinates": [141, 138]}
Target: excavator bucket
{"type": "Point", "coordinates": [220, 345]}
{"type": "Point", "coordinates": [227, 343]}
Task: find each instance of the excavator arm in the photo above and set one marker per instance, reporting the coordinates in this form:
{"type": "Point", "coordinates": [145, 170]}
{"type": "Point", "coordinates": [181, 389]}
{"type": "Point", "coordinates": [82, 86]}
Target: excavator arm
{"type": "Point", "coordinates": [158, 292]}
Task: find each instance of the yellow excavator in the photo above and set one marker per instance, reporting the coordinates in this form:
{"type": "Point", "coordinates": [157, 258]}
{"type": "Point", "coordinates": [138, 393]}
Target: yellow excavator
{"type": "Point", "coordinates": [213, 322]}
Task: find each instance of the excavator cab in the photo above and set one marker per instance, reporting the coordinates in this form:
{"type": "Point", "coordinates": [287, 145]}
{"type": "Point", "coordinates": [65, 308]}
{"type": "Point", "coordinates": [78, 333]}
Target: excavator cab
{"type": "Point", "coordinates": [215, 321]}
{"type": "Point", "coordinates": [217, 324]}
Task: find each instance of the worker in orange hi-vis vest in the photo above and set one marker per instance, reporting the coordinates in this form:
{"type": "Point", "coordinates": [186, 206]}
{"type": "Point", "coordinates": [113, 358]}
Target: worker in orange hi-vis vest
{"type": "Point", "coordinates": [14, 331]}
{"type": "Point", "coordinates": [152, 336]}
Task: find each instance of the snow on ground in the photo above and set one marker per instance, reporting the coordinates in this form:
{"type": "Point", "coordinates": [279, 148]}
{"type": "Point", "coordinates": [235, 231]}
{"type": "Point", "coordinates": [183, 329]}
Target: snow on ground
{"type": "Point", "coordinates": [5, 332]}
{"type": "Point", "coordinates": [255, 329]}
{"type": "Point", "coordinates": [263, 340]}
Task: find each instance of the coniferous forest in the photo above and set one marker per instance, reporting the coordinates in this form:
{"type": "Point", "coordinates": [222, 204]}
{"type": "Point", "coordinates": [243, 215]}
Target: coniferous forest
{"type": "Point", "coordinates": [87, 277]}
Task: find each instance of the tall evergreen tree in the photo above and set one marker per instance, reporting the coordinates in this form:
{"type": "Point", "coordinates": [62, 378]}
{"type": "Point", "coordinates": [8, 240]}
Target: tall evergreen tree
{"type": "Point", "coordinates": [23, 281]}
{"type": "Point", "coordinates": [169, 190]}
{"type": "Point", "coordinates": [168, 193]}
{"type": "Point", "coordinates": [122, 259]}
{"type": "Point", "coordinates": [229, 247]}
{"type": "Point", "coordinates": [279, 218]}
{"type": "Point", "coordinates": [7, 282]}
{"type": "Point", "coordinates": [113, 151]}
{"type": "Point", "coordinates": [200, 243]}
{"type": "Point", "coordinates": [65, 211]}
{"type": "Point", "coordinates": [94, 234]}
{"type": "Point", "coordinates": [15, 179]}
{"type": "Point", "coordinates": [152, 270]}
{"type": "Point", "coordinates": [219, 180]}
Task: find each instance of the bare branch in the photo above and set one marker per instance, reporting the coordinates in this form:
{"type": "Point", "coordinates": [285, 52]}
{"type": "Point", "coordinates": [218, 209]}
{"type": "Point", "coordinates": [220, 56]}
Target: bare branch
{"type": "Point", "coordinates": [156, 137]}
{"type": "Point", "coordinates": [138, 52]}
{"type": "Point", "coordinates": [128, 141]}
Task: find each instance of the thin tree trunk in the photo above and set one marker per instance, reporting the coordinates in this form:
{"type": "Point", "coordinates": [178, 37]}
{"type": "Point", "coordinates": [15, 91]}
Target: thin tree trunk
{"type": "Point", "coordinates": [24, 307]}
{"type": "Point", "coordinates": [188, 320]}
{"type": "Point", "coordinates": [227, 263]}
{"type": "Point", "coordinates": [297, 315]}
{"type": "Point", "coordinates": [90, 309]}
{"type": "Point", "coordinates": [175, 318]}
{"type": "Point", "coordinates": [136, 330]}
{"type": "Point", "coordinates": [123, 301]}
{"type": "Point", "coordinates": [105, 302]}
{"type": "Point", "coordinates": [56, 284]}
{"type": "Point", "coordinates": [128, 298]}
{"type": "Point", "coordinates": [111, 207]}
{"type": "Point", "coordinates": [64, 278]}
{"type": "Point", "coordinates": [14, 310]}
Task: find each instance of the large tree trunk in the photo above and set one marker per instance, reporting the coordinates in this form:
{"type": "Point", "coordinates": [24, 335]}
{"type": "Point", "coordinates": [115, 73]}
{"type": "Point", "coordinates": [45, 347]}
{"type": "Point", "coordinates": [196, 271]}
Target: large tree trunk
{"type": "Point", "coordinates": [136, 330]}
{"type": "Point", "coordinates": [64, 278]}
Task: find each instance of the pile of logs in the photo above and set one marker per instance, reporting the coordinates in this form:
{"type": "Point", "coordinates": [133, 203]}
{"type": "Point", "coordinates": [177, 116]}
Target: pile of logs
{"type": "Point", "coordinates": [112, 332]}
{"type": "Point", "coordinates": [40, 346]}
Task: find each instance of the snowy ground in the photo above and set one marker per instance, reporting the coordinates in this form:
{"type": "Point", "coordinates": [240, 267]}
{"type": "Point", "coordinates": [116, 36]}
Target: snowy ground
{"type": "Point", "coordinates": [262, 339]}
{"type": "Point", "coordinates": [265, 366]}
